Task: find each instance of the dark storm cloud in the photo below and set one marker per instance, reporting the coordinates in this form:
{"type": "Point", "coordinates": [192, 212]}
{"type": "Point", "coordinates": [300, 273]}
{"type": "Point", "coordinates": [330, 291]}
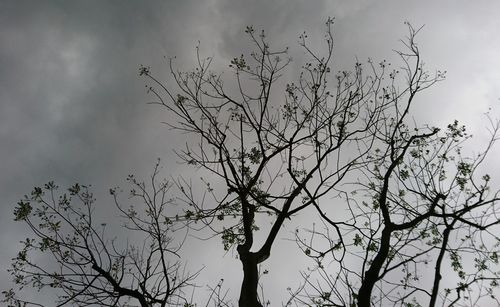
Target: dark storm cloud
{"type": "Point", "coordinates": [72, 106]}
{"type": "Point", "coordinates": [71, 95]}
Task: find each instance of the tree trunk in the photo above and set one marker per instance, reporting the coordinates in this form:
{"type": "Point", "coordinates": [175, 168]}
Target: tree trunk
{"type": "Point", "coordinates": [248, 295]}
{"type": "Point", "coordinates": [372, 275]}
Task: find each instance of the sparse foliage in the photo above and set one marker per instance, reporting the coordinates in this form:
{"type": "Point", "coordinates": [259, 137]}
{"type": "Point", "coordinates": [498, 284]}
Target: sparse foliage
{"type": "Point", "coordinates": [398, 204]}
{"type": "Point", "coordinates": [87, 267]}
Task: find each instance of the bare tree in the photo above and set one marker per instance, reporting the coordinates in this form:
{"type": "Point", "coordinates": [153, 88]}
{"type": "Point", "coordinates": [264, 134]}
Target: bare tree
{"type": "Point", "coordinates": [274, 159]}
{"type": "Point", "coordinates": [419, 203]}
{"type": "Point", "coordinates": [85, 266]}
{"type": "Point", "coordinates": [393, 197]}
{"type": "Point", "coordinates": [279, 159]}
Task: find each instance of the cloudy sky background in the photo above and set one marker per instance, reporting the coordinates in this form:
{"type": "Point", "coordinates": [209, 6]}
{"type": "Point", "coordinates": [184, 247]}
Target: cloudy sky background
{"type": "Point", "coordinates": [73, 108]}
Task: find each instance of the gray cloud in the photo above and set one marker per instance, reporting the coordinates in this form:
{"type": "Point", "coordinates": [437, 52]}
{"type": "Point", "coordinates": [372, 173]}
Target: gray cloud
{"type": "Point", "coordinates": [72, 107]}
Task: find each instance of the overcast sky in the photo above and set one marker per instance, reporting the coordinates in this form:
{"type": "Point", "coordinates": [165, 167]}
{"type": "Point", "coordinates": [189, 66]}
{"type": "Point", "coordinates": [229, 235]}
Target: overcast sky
{"type": "Point", "coordinates": [73, 108]}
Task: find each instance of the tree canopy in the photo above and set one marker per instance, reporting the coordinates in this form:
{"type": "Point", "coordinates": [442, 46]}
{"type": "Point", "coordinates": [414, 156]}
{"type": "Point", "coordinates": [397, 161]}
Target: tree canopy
{"type": "Point", "coordinates": [398, 203]}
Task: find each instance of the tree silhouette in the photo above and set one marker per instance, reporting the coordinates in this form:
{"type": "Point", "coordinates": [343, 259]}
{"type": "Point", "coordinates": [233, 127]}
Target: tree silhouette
{"type": "Point", "coordinates": [90, 269]}
{"type": "Point", "coordinates": [390, 194]}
